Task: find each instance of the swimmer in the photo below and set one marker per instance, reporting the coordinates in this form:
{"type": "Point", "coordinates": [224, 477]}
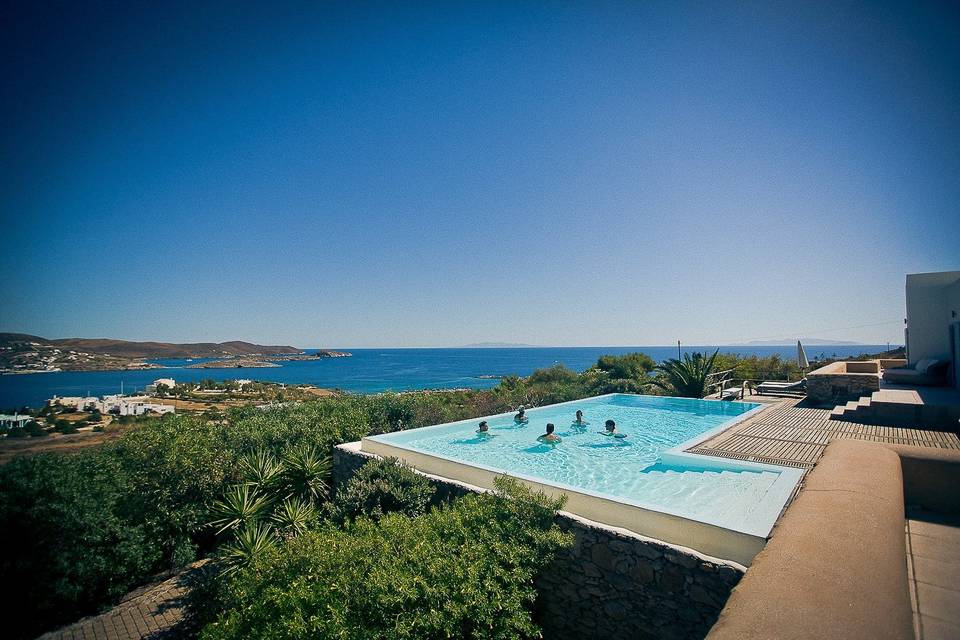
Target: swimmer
{"type": "Point", "coordinates": [484, 430]}
{"type": "Point", "coordinates": [580, 421]}
{"type": "Point", "coordinates": [521, 417]}
{"type": "Point", "coordinates": [550, 437]}
{"type": "Point", "coordinates": [610, 429]}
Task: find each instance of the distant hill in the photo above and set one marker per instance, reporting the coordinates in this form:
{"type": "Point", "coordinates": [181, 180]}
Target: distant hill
{"type": "Point", "coordinates": [127, 349]}
{"type": "Point", "coordinates": [495, 345]}
{"type": "Point", "coordinates": [805, 341]}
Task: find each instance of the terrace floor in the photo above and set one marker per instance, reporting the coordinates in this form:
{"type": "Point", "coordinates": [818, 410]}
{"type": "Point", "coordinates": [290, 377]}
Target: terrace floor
{"type": "Point", "coordinates": [790, 433]}
{"type": "Point", "coordinates": [933, 567]}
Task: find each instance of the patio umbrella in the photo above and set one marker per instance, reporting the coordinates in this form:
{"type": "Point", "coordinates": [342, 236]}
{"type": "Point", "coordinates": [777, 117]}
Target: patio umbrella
{"type": "Point", "coordinates": [802, 361]}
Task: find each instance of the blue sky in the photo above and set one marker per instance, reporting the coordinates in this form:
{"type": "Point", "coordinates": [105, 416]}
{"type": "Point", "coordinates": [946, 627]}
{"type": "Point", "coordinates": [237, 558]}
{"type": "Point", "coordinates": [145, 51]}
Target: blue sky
{"type": "Point", "coordinates": [565, 173]}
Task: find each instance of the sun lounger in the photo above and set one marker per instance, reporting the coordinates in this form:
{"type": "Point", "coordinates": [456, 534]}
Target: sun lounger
{"type": "Point", "coordinates": [733, 393]}
{"type": "Point", "coordinates": [782, 387]}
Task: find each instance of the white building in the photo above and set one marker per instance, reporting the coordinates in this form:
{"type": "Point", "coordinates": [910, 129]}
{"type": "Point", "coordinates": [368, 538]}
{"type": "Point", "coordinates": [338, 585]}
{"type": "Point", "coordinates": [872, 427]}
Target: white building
{"type": "Point", "coordinates": [933, 319]}
{"type": "Point", "coordinates": [80, 403]}
{"type": "Point", "coordinates": [8, 422]}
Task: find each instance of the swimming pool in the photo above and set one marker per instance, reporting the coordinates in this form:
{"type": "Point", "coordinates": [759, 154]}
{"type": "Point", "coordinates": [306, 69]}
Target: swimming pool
{"type": "Point", "coordinates": [644, 482]}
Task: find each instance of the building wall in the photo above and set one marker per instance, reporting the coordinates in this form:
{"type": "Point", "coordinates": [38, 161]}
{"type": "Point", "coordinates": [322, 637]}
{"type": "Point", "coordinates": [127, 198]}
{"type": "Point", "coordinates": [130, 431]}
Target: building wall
{"type": "Point", "coordinates": [930, 309]}
{"type": "Point", "coordinates": [612, 584]}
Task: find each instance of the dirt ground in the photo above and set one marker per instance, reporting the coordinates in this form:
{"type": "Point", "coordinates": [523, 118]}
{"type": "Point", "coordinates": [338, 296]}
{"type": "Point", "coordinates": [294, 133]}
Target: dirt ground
{"type": "Point", "coordinates": [54, 443]}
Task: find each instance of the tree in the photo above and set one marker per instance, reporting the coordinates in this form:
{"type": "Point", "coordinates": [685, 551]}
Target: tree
{"type": "Point", "coordinates": [687, 377]}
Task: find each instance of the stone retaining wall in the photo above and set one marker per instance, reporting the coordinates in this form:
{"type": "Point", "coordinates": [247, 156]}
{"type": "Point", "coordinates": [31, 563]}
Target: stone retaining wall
{"type": "Point", "coordinates": [612, 583]}
{"type": "Point", "coordinates": [834, 388]}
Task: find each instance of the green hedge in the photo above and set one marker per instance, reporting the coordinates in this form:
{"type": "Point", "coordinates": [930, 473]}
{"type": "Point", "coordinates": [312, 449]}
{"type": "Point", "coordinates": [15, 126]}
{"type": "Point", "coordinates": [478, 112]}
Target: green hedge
{"type": "Point", "coordinates": [460, 571]}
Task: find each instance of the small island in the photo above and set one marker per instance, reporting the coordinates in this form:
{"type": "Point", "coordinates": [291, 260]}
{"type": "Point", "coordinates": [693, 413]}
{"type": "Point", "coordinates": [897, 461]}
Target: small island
{"type": "Point", "coordinates": [233, 363]}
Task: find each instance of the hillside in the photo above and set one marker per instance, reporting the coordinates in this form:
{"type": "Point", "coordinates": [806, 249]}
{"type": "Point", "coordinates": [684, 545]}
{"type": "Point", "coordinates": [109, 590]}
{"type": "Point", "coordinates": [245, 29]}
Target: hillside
{"type": "Point", "coordinates": [24, 352]}
{"type": "Point", "coordinates": [127, 349]}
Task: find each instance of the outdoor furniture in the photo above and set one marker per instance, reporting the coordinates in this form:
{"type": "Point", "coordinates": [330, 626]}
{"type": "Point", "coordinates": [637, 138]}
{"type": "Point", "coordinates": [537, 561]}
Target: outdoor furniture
{"type": "Point", "coordinates": [774, 388]}
{"type": "Point", "coordinates": [926, 372]}
{"type": "Point", "coordinates": [733, 393]}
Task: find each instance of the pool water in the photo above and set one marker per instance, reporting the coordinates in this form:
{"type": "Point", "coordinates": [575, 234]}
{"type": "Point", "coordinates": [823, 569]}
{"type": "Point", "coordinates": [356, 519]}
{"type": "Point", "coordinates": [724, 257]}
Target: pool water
{"type": "Point", "coordinates": [646, 468]}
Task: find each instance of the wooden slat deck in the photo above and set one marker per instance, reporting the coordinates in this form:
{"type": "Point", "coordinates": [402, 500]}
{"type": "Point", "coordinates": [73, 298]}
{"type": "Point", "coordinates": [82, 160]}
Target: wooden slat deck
{"type": "Point", "coordinates": [795, 436]}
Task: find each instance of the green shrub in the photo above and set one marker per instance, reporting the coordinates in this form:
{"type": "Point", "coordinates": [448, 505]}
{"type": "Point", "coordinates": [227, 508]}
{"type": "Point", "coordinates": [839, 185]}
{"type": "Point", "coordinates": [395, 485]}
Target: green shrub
{"type": "Point", "coordinates": [381, 487]}
{"type": "Point", "coordinates": [70, 543]}
{"type": "Point", "coordinates": [460, 571]}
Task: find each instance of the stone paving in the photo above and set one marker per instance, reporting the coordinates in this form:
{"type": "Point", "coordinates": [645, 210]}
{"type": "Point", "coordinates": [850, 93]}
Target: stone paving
{"type": "Point", "coordinates": [155, 611]}
{"type": "Point", "coordinates": [933, 567]}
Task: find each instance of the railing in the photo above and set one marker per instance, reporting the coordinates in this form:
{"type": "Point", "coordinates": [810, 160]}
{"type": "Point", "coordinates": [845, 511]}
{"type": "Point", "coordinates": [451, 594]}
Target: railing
{"type": "Point", "coordinates": [723, 377]}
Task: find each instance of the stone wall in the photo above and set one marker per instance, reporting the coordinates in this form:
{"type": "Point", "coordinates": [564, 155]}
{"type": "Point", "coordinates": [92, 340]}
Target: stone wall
{"type": "Point", "coordinates": [612, 583]}
{"type": "Point", "coordinates": [836, 388]}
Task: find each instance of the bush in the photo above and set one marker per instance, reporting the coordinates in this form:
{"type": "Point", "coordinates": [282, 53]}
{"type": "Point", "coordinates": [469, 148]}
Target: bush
{"type": "Point", "coordinates": [70, 543]}
{"type": "Point", "coordinates": [460, 571]}
{"type": "Point", "coordinates": [17, 432]}
{"type": "Point", "coordinates": [381, 487]}
{"type": "Point", "coordinates": [34, 430]}
{"type": "Point", "coordinates": [65, 426]}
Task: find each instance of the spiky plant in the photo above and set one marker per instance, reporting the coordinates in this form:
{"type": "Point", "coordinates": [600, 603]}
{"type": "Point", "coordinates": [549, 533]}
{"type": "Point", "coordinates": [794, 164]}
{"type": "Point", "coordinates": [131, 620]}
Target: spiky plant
{"type": "Point", "coordinates": [294, 516]}
{"type": "Point", "coordinates": [305, 473]}
{"type": "Point", "coordinates": [687, 377]}
{"type": "Point", "coordinates": [261, 469]}
{"type": "Point", "coordinates": [240, 505]}
{"type": "Point", "coordinates": [251, 542]}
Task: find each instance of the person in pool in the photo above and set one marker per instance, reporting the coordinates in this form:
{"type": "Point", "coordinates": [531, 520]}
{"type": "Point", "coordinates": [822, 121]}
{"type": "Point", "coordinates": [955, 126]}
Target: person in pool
{"type": "Point", "coordinates": [521, 417]}
{"type": "Point", "coordinates": [610, 429]}
{"type": "Point", "coordinates": [580, 421]}
{"type": "Point", "coordinates": [484, 430]}
{"type": "Point", "coordinates": [550, 437]}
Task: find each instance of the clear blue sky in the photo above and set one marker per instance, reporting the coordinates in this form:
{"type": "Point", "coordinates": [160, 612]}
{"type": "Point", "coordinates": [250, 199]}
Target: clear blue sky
{"type": "Point", "coordinates": [557, 174]}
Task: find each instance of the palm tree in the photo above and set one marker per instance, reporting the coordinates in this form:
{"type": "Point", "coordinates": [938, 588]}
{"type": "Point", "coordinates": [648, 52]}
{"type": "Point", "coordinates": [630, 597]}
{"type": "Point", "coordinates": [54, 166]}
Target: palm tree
{"type": "Point", "coordinates": [261, 469]}
{"type": "Point", "coordinates": [294, 515]}
{"type": "Point", "coordinates": [687, 377]}
{"type": "Point", "coordinates": [306, 472]}
{"type": "Point", "coordinates": [252, 541]}
{"type": "Point", "coordinates": [241, 505]}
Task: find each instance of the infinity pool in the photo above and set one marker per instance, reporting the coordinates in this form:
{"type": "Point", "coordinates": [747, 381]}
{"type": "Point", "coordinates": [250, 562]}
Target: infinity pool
{"type": "Point", "coordinates": [646, 470]}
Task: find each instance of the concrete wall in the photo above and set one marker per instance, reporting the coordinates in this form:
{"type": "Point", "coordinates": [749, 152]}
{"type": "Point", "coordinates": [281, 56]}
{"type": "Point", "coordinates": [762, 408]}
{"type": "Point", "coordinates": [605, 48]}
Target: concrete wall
{"type": "Point", "coordinates": [931, 299]}
{"type": "Point", "coordinates": [836, 565]}
{"type": "Point", "coordinates": [612, 583]}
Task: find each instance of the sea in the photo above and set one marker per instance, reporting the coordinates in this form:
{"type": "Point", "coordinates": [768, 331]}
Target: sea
{"type": "Point", "coordinates": [374, 370]}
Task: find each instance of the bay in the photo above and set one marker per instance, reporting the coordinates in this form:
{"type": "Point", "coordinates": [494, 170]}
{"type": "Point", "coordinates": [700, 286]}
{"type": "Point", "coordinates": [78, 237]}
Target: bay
{"type": "Point", "coordinates": [373, 370]}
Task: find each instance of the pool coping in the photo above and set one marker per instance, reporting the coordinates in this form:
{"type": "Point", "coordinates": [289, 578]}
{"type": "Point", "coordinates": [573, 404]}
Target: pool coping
{"type": "Point", "coordinates": [738, 542]}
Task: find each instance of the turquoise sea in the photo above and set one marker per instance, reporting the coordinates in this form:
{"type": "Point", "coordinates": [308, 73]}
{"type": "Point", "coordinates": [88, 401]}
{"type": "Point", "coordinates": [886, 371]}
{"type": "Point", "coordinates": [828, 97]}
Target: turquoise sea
{"type": "Point", "coordinates": [371, 370]}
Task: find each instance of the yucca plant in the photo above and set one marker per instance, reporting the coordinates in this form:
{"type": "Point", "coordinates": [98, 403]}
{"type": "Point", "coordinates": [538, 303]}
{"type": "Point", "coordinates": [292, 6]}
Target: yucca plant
{"type": "Point", "coordinates": [261, 469]}
{"type": "Point", "coordinates": [240, 505]}
{"type": "Point", "coordinates": [294, 516]}
{"type": "Point", "coordinates": [251, 542]}
{"type": "Point", "coordinates": [687, 377]}
{"type": "Point", "coordinates": [306, 472]}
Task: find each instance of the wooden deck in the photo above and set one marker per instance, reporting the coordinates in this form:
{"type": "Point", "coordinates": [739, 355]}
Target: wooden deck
{"type": "Point", "coordinates": [791, 434]}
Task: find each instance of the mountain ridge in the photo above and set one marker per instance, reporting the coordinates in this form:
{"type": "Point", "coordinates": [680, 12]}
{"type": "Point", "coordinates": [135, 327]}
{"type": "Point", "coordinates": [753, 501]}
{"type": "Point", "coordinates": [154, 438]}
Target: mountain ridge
{"type": "Point", "coordinates": [149, 349]}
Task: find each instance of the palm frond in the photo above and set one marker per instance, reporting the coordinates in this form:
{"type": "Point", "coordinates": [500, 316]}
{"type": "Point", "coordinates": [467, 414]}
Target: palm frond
{"type": "Point", "coordinates": [241, 504]}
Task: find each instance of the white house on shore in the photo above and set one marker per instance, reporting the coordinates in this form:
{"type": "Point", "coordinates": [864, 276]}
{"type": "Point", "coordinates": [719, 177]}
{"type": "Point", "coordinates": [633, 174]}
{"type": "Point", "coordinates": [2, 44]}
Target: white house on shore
{"type": "Point", "coordinates": [933, 319]}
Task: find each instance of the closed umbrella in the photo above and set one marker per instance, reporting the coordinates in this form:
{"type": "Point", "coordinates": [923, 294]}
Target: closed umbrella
{"type": "Point", "coordinates": [802, 361]}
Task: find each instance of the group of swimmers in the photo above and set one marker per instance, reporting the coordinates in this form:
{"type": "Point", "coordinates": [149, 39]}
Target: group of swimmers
{"type": "Point", "coordinates": [609, 428]}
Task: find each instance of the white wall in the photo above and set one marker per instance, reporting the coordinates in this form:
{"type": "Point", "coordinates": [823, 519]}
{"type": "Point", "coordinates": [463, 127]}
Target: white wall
{"type": "Point", "coordinates": [930, 304]}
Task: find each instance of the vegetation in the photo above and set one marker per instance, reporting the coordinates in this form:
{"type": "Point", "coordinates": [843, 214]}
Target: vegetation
{"type": "Point", "coordinates": [381, 487]}
{"type": "Point", "coordinates": [687, 377]}
{"type": "Point", "coordinates": [464, 570]}
{"type": "Point", "coordinates": [82, 529]}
